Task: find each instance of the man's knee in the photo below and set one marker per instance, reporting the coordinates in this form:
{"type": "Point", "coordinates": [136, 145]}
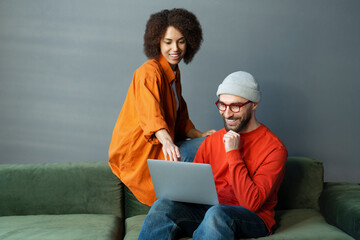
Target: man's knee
{"type": "Point", "coordinates": [216, 224]}
{"type": "Point", "coordinates": [161, 205]}
{"type": "Point", "coordinates": [217, 213]}
{"type": "Point", "coordinates": [217, 210]}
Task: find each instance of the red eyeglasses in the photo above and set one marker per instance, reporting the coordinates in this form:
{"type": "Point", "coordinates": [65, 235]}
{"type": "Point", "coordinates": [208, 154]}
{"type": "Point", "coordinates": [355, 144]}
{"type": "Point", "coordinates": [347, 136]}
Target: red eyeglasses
{"type": "Point", "coordinates": [234, 107]}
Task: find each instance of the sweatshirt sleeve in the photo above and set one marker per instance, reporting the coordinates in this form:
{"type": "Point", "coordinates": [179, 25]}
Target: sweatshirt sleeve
{"type": "Point", "coordinates": [147, 89]}
{"type": "Point", "coordinates": [252, 192]}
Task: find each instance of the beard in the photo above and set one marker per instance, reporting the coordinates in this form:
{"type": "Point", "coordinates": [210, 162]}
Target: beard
{"type": "Point", "coordinates": [243, 122]}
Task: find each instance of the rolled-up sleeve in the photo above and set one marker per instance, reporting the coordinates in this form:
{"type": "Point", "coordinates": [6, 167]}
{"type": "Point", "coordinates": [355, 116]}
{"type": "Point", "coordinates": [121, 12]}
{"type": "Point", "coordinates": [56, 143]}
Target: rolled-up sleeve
{"type": "Point", "coordinates": [151, 114]}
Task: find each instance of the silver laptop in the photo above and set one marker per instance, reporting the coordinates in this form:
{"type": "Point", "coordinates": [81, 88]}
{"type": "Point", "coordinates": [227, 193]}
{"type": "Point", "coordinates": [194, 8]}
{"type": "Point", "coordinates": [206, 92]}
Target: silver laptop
{"type": "Point", "coordinates": [183, 181]}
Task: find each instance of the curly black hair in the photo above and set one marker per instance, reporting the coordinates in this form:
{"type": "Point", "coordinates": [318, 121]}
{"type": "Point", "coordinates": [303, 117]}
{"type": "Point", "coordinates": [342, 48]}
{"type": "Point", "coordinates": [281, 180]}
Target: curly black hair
{"type": "Point", "coordinates": [183, 20]}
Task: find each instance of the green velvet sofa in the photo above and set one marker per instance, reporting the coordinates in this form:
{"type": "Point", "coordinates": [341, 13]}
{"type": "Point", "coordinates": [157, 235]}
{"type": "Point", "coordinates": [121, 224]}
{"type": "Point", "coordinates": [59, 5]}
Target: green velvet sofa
{"type": "Point", "coordinates": [84, 200]}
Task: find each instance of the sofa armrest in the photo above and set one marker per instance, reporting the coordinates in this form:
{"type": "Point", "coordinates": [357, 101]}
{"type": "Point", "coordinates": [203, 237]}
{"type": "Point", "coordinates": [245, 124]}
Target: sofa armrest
{"type": "Point", "coordinates": [340, 205]}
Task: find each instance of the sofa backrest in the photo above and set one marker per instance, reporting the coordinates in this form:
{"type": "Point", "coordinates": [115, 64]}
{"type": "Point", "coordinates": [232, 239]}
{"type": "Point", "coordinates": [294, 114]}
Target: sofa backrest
{"type": "Point", "coordinates": [301, 187]}
{"type": "Point", "coordinates": [59, 188]}
{"type": "Point", "coordinates": [302, 184]}
{"type": "Point", "coordinates": [132, 206]}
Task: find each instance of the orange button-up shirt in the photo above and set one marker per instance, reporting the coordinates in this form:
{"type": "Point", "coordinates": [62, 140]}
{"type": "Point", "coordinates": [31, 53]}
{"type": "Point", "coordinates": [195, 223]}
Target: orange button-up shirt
{"type": "Point", "coordinates": [150, 106]}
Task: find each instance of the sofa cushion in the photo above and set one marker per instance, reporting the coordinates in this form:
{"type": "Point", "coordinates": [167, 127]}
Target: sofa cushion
{"type": "Point", "coordinates": [59, 188]}
{"type": "Point", "coordinates": [59, 227]}
{"type": "Point", "coordinates": [302, 184]}
{"type": "Point", "coordinates": [303, 224]}
{"type": "Point", "coordinates": [133, 226]}
{"type": "Point", "coordinates": [297, 224]}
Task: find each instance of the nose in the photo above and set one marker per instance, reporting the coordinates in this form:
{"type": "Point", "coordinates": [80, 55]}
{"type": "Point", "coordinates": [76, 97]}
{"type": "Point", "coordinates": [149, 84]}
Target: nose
{"type": "Point", "coordinates": [228, 113]}
{"type": "Point", "coordinates": [175, 46]}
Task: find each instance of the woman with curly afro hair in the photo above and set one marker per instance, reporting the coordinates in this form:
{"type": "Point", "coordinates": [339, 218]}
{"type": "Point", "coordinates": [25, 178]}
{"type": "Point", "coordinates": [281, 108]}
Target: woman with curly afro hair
{"type": "Point", "coordinates": [154, 115]}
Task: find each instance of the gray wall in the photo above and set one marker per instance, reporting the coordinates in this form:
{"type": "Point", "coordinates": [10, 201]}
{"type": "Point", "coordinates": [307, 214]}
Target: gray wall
{"type": "Point", "coordinates": [65, 67]}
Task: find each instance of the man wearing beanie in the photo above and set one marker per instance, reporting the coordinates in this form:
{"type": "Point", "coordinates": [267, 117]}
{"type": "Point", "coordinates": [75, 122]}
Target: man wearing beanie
{"type": "Point", "coordinates": [248, 163]}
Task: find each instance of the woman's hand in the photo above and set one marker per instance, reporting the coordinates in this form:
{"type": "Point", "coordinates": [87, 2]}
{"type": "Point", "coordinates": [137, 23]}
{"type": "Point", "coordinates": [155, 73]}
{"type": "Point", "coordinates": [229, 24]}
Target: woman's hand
{"type": "Point", "coordinates": [208, 133]}
{"type": "Point", "coordinates": [170, 150]}
{"type": "Point", "coordinates": [194, 133]}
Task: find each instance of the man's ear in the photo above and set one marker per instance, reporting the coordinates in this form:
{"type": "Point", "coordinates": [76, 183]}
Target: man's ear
{"type": "Point", "coordinates": [254, 105]}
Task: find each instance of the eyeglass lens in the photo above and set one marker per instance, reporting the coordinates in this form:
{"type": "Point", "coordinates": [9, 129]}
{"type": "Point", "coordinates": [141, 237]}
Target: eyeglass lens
{"type": "Point", "coordinates": [233, 107]}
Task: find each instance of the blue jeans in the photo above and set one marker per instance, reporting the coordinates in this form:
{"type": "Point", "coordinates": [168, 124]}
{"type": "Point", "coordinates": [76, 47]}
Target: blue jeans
{"type": "Point", "coordinates": [172, 220]}
{"type": "Point", "coordinates": [188, 148]}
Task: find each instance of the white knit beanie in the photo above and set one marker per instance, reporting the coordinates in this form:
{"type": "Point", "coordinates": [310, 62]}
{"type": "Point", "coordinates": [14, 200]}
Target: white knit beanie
{"type": "Point", "coordinates": [240, 84]}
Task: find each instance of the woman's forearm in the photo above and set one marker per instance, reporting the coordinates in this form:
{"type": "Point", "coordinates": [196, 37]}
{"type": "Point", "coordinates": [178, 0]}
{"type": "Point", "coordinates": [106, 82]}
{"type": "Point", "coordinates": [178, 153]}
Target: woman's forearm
{"type": "Point", "coordinates": [170, 150]}
{"type": "Point", "coordinates": [194, 133]}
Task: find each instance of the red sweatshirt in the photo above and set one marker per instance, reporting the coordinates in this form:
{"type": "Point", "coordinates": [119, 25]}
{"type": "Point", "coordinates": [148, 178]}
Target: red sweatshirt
{"type": "Point", "coordinates": [249, 176]}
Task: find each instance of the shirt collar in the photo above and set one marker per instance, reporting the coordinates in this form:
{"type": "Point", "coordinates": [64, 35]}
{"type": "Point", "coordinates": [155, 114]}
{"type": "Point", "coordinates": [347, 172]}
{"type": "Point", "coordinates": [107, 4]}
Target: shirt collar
{"type": "Point", "coordinates": [168, 70]}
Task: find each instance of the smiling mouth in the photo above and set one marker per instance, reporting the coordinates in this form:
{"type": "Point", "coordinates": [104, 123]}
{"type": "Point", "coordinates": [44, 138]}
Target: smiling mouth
{"type": "Point", "coordinates": [230, 121]}
{"type": "Point", "coordinates": [175, 56]}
